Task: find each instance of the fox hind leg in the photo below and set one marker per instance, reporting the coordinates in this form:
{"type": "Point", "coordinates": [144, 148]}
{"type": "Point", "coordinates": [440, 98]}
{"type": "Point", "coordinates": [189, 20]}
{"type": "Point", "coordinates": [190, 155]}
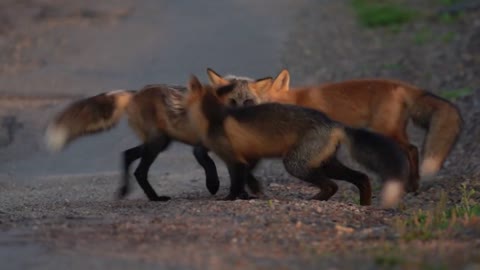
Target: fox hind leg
{"type": "Point", "coordinates": [328, 188]}
{"type": "Point", "coordinates": [315, 176]}
{"type": "Point", "coordinates": [129, 156]}
{"type": "Point", "coordinates": [414, 178]}
{"type": "Point", "coordinates": [298, 163]}
{"type": "Point", "coordinates": [334, 169]}
{"type": "Point", "coordinates": [149, 154]}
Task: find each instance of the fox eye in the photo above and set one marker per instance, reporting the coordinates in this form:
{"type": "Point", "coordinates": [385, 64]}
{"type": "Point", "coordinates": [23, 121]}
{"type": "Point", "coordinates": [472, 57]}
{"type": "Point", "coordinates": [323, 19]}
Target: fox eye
{"type": "Point", "coordinates": [233, 102]}
{"type": "Point", "coordinates": [248, 102]}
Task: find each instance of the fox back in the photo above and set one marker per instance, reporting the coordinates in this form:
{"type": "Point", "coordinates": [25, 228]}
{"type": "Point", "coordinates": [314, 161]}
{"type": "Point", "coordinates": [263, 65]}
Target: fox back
{"type": "Point", "coordinates": [304, 138]}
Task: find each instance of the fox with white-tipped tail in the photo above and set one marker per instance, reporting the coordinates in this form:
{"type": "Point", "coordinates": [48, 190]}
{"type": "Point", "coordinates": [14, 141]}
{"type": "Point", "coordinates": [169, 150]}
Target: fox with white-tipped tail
{"type": "Point", "coordinates": [306, 139]}
{"type": "Point", "coordinates": [157, 115]}
{"type": "Point", "coordinates": [382, 105]}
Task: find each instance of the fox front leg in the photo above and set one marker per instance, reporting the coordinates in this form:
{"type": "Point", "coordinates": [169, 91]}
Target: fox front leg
{"type": "Point", "coordinates": [238, 174]}
{"type": "Point", "coordinates": [253, 184]}
{"type": "Point", "coordinates": [211, 176]}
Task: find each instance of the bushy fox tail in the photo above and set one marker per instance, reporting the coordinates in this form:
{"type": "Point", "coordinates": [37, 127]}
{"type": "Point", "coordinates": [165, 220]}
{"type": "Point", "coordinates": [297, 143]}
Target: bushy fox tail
{"type": "Point", "coordinates": [86, 116]}
{"type": "Point", "coordinates": [382, 156]}
{"type": "Point", "coordinates": [443, 123]}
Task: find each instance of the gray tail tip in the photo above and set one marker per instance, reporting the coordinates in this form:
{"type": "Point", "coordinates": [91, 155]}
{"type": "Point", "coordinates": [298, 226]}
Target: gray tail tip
{"type": "Point", "coordinates": [392, 193]}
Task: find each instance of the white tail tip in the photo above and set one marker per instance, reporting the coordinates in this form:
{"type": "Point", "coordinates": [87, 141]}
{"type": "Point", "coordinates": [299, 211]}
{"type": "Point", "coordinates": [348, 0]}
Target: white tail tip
{"type": "Point", "coordinates": [430, 166]}
{"type": "Point", "coordinates": [392, 193]}
{"type": "Point", "coordinates": [55, 137]}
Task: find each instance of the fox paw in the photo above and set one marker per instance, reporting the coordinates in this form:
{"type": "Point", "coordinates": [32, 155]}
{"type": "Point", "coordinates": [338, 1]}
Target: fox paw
{"type": "Point", "coordinates": [213, 186]}
{"type": "Point", "coordinates": [122, 192]}
{"type": "Point", "coordinates": [229, 197]}
{"type": "Point", "coordinates": [242, 196]}
{"type": "Point", "coordinates": [246, 196]}
{"type": "Point", "coordinates": [159, 198]}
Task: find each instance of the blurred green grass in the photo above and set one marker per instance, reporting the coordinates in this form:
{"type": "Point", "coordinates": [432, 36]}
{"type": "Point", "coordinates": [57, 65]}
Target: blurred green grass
{"type": "Point", "coordinates": [378, 13]}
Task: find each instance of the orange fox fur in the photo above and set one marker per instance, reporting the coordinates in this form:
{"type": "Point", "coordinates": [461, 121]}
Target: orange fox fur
{"type": "Point", "coordinates": [384, 106]}
{"type": "Point", "coordinates": [157, 115]}
{"type": "Point", "coordinates": [306, 140]}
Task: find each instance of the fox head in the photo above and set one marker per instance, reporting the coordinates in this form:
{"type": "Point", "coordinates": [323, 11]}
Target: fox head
{"type": "Point", "coordinates": [279, 86]}
{"type": "Point", "coordinates": [263, 90]}
{"type": "Point", "coordinates": [221, 94]}
{"type": "Point", "coordinates": [245, 90]}
{"type": "Point", "coordinates": [204, 105]}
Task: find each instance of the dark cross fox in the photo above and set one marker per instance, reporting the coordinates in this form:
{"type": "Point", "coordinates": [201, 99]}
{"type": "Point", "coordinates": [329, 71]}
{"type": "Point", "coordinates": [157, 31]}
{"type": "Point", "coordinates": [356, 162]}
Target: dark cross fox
{"type": "Point", "coordinates": [157, 115]}
{"type": "Point", "coordinates": [382, 105]}
{"type": "Point", "coordinates": [306, 139]}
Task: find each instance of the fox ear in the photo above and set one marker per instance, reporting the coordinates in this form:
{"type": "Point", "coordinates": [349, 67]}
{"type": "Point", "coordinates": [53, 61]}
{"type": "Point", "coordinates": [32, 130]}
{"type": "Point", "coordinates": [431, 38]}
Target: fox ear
{"type": "Point", "coordinates": [281, 82]}
{"type": "Point", "coordinates": [194, 85]}
{"type": "Point", "coordinates": [261, 86]}
{"type": "Point", "coordinates": [215, 78]}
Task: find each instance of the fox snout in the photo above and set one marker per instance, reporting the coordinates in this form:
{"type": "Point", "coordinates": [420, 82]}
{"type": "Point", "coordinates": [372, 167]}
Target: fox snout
{"type": "Point", "coordinates": [247, 102]}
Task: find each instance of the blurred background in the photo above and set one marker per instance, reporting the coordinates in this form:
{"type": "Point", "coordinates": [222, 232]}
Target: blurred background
{"type": "Point", "coordinates": [56, 51]}
{"type": "Point", "coordinates": [53, 52]}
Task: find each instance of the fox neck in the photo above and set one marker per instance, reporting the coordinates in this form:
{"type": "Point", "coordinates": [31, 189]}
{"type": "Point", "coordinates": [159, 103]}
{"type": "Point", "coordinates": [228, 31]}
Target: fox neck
{"type": "Point", "coordinates": [283, 97]}
{"type": "Point", "coordinates": [208, 115]}
{"type": "Point", "coordinates": [213, 110]}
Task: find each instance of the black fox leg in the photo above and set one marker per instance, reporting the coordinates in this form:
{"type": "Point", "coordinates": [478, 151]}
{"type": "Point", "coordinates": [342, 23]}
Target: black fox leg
{"type": "Point", "coordinates": [328, 188]}
{"type": "Point", "coordinates": [334, 169]}
{"type": "Point", "coordinates": [306, 163]}
{"type": "Point", "coordinates": [201, 155]}
{"type": "Point", "coordinates": [129, 156]}
{"type": "Point", "coordinates": [253, 184]}
{"type": "Point", "coordinates": [317, 176]}
{"type": "Point", "coordinates": [414, 177]}
{"type": "Point", "coordinates": [238, 174]}
{"type": "Point", "coordinates": [149, 153]}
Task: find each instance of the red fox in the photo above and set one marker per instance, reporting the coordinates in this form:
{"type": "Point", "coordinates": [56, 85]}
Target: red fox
{"type": "Point", "coordinates": [384, 106]}
{"type": "Point", "coordinates": [306, 139]}
{"type": "Point", "coordinates": [157, 114]}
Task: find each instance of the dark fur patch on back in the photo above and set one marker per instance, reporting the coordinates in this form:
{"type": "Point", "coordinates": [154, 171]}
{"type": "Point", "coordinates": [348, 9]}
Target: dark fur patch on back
{"type": "Point", "coordinates": [224, 90]}
{"type": "Point", "coordinates": [215, 112]}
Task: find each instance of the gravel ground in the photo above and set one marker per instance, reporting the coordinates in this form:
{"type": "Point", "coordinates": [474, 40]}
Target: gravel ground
{"type": "Point", "coordinates": [58, 221]}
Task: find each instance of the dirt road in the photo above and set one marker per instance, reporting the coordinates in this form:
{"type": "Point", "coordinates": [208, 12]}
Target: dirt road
{"type": "Point", "coordinates": [58, 210]}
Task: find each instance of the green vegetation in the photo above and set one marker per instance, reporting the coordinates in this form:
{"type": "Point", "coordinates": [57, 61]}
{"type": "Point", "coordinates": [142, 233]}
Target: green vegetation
{"type": "Point", "coordinates": [388, 260]}
{"type": "Point", "coordinates": [457, 93]}
{"type": "Point", "coordinates": [423, 36]}
{"type": "Point", "coordinates": [426, 35]}
{"type": "Point", "coordinates": [378, 13]}
{"type": "Point", "coordinates": [392, 66]}
{"type": "Point", "coordinates": [448, 37]}
{"type": "Point", "coordinates": [447, 17]}
{"type": "Point", "coordinates": [448, 2]}
{"type": "Point", "coordinates": [466, 209]}
{"type": "Point", "coordinates": [442, 221]}
{"type": "Point", "coordinates": [393, 14]}
{"type": "Point", "coordinates": [394, 256]}
{"type": "Point", "coordinates": [450, 18]}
